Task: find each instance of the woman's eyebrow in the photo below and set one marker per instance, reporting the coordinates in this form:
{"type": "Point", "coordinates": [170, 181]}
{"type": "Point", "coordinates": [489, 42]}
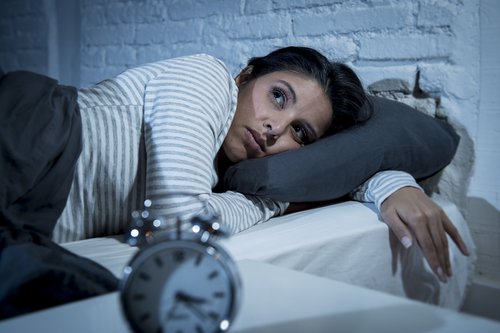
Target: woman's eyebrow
{"type": "Point", "coordinates": [292, 92]}
{"type": "Point", "coordinates": [311, 130]}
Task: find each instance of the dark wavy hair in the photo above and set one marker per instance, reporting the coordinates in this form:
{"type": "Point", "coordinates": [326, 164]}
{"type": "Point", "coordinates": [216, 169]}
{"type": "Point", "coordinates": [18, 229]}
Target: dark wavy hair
{"type": "Point", "coordinates": [341, 85]}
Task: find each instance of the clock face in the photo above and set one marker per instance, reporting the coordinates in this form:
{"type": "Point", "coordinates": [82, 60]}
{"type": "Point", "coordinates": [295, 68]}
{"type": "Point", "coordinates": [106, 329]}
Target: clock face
{"type": "Point", "coordinates": [179, 287]}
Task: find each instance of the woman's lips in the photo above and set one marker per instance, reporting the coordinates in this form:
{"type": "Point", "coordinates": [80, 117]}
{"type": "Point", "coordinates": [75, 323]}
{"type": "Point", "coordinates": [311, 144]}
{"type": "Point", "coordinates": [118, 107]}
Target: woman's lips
{"type": "Point", "coordinates": [254, 140]}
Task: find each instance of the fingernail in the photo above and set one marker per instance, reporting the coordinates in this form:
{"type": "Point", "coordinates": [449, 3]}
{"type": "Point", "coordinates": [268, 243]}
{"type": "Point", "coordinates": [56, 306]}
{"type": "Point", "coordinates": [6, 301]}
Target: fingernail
{"type": "Point", "coordinates": [466, 250]}
{"type": "Point", "coordinates": [406, 241]}
{"type": "Point", "coordinates": [441, 275]}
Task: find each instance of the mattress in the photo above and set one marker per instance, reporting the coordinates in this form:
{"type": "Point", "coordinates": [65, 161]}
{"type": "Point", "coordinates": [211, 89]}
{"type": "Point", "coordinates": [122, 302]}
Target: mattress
{"type": "Point", "coordinates": [346, 242]}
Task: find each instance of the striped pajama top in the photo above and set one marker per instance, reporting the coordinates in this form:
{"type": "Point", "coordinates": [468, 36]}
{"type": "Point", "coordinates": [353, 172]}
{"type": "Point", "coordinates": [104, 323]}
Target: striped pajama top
{"type": "Point", "coordinates": [169, 118]}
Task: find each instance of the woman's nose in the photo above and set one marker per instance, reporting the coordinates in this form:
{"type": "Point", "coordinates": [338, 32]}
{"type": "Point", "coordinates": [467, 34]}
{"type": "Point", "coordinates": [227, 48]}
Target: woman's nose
{"type": "Point", "coordinates": [272, 131]}
{"type": "Point", "coordinates": [277, 124]}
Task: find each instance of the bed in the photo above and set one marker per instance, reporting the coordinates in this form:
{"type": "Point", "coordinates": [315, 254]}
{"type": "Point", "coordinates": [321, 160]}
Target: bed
{"type": "Point", "coordinates": [345, 241]}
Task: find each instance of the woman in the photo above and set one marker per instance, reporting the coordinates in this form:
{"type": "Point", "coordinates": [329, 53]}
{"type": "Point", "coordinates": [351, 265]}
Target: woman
{"type": "Point", "coordinates": [185, 120]}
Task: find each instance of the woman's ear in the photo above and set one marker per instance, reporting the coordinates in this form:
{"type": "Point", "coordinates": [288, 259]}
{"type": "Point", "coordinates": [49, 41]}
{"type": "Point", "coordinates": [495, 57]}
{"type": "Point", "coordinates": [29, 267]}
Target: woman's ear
{"type": "Point", "coordinates": [244, 76]}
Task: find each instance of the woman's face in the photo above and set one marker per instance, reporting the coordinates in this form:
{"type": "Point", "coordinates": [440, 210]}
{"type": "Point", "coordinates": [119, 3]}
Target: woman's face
{"type": "Point", "coordinates": [276, 112]}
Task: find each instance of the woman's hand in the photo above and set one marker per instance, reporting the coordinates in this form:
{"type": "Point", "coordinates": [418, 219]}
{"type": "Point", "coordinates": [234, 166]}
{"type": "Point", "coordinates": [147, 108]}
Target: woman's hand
{"type": "Point", "coordinates": [410, 207]}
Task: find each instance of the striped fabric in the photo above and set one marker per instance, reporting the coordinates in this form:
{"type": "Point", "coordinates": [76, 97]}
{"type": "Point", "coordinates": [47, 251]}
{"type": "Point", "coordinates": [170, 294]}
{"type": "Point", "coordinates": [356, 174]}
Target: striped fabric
{"type": "Point", "coordinates": [380, 186]}
{"type": "Point", "coordinates": [174, 114]}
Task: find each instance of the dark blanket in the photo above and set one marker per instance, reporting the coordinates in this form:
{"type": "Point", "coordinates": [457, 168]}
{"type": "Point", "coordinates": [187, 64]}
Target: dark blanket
{"type": "Point", "coordinates": [40, 142]}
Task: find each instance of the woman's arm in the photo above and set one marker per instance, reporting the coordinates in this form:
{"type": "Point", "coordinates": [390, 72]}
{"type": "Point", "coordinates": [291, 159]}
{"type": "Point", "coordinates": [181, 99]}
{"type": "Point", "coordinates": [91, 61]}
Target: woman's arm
{"type": "Point", "coordinates": [403, 205]}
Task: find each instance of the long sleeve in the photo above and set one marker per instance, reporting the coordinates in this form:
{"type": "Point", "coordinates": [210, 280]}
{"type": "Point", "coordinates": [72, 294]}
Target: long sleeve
{"type": "Point", "coordinates": [188, 110]}
{"type": "Point", "coordinates": [381, 185]}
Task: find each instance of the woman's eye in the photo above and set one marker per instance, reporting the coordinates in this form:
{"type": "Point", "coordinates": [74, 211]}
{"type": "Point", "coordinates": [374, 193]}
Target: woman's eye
{"type": "Point", "coordinates": [278, 96]}
{"type": "Point", "coordinates": [301, 134]}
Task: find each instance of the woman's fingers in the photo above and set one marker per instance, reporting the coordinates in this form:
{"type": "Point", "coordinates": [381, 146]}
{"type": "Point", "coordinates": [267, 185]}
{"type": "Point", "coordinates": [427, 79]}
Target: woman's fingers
{"type": "Point", "coordinates": [455, 236]}
{"type": "Point", "coordinates": [429, 239]}
{"type": "Point", "coordinates": [397, 226]}
{"type": "Point", "coordinates": [440, 240]}
{"type": "Point", "coordinates": [394, 219]}
{"type": "Point", "coordinates": [410, 207]}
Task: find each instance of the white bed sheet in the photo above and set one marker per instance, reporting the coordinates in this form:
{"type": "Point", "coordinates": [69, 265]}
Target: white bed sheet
{"type": "Point", "coordinates": [346, 242]}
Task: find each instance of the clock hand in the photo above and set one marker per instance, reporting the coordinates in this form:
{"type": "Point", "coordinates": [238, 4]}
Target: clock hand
{"type": "Point", "coordinates": [171, 314]}
{"type": "Point", "coordinates": [187, 298]}
{"type": "Point", "coordinates": [192, 303]}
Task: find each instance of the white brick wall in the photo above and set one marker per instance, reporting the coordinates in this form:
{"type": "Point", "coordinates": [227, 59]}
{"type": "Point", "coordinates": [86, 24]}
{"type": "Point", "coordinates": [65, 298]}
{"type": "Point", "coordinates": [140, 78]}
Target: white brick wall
{"type": "Point", "coordinates": [23, 35]}
{"type": "Point", "coordinates": [437, 40]}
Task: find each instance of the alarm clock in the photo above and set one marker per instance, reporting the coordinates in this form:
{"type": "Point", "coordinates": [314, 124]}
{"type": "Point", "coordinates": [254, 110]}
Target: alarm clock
{"type": "Point", "coordinates": [182, 281]}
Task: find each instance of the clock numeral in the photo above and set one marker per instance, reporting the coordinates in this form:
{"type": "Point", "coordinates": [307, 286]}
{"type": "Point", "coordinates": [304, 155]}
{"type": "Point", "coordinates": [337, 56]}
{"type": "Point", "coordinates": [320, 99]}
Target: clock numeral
{"type": "Point", "coordinates": [144, 276]}
{"type": "Point", "coordinates": [158, 262]}
{"type": "Point", "coordinates": [178, 255]}
{"type": "Point", "coordinates": [213, 315]}
{"type": "Point", "coordinates": [139, 297]}
{"type": "Point", "coordinates": [198, 259]}
{"type": "Point", "coordinates": [213, 275]}
{"type": "Point", "coordinates": [144, 317]}
{"type": "Point", "coordinates": [219, 294]}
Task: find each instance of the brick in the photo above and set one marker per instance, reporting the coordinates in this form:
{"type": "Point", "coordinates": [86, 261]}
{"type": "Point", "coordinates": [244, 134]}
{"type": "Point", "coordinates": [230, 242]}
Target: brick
{"type": "Point", "coordinates": [149, 13]}
{"type": "Point", "coordinates": [108, 35]}
{"type": "Point", "coordinates": [276, 26]}
{"type": "Point", "coordinates": [258, 6]}
{"type": "Point", "coordinates": [307, 23]}
{"type": "Point", "coordinates": [370, 75]}
{"type": "Point", "coordinates": [153, 53]}
{"type": "Point", "coordinates": [415, 47]}
{"type": "Point", "coordinates": [29, 24]}
{"type": "Point", "coordinates": [303, 3]}
{"type": "Point", "coordinates": [236, 53]}
{"type": "Point", "coordinates": [93, 57]}
{"type": "Point", "coordinates": [114, 12]}
{"type": "Point", "coordinates": [335, 48]}
{"type": "Point", "coordinates": [434, 15]}
{"type": "Point", "coordinates": [448, 79]}
{"type": "Point", "coordinates": [93, 16]}
{"type": "Point", "coordinates": [184, 49]}
{"type": "Point", "coordinates": [182, 10]}
{"type": "Point", "coordinates": [150, 34]}
{"type": "Point", "coordinates": [132, 13]}
{"type": "Point", "coordinates": [169, 32]}
{"type": "Point", "coordinates": [121, 56]}
{"type": "Point", "coordinates": [183, 31]}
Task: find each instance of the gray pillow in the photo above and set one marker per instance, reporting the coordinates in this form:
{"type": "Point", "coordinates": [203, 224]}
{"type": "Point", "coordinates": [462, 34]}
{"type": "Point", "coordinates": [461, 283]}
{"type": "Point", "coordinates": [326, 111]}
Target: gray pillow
{"type": "Point", "coordinates": [397, 137]}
